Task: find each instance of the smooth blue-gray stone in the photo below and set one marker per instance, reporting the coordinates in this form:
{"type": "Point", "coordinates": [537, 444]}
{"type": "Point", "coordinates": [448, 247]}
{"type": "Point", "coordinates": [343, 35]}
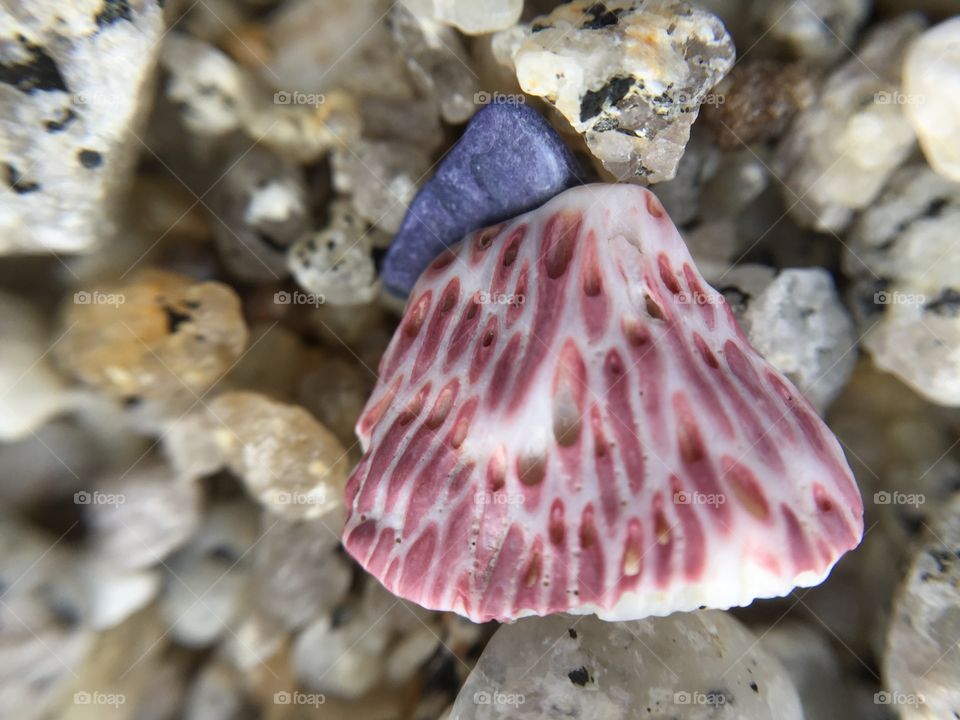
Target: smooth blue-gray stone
{"type": "Point", "coordinates": [508, 161]}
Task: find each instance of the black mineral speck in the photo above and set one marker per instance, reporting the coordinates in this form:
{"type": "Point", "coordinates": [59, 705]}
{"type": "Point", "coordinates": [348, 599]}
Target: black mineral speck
{"type": "Point", "coordinates": [573, 633]}
{"type": "Point", "coordinates": [17, 183]}
{"type": "Point", "coordinates": [339, 616]}
{"type": "Point", "coordinates": [754, 687]}
{"type": "Point", "coordinates": [38, 74]}
{"type": "Point", "coordinates": [175, 319]}
{"type": "Point", "coordinates": [271, 242]}
{"type": "Point", "coordinates": [55, 126]}
{"type": "Point", "coordinates": [605, 124]}
{"type": "Point", "coordinates": [719, 698]}
{"type": "Point", "coordinates": [736, 297]}
{"type": "Point", "coordinates": [613, 92]}
{"type": "Point", "coordinates": [90, 159]}
{"type": "Point", "coordinates": [580, 676]}
{"type": "Point", "coordinates": [947, 303]}
{"type": "Point", "coordinates": [941, 558]}
{"type": "Point", "coordinates": [441, 676]}
{"type": "Point", "coordinates": [113, 11]}
{"type": "Point", "coordinates": [224, 554]}
{"type": "Point", "coordinates": [933, 210]}
{"type": "Point", "coordinates": [600, 17]}
{"type": "Point", "coordinates": [935, 207]}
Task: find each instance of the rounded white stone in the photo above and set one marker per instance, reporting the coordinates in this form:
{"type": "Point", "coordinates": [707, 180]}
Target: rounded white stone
{"type": "Point", "coordinates": [922, 663]}
{"type": "Point", "coordinates": [473, 17]}
{"type": "Point", "coordinates": [799, 324]}
{"type": "Point", "coordinates": [931, 84]}
{"type": "Point", "coordinates": [687, 666]}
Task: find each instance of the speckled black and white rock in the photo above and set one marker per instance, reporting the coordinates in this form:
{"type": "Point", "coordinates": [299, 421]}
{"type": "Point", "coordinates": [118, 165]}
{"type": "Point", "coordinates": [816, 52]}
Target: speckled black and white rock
{"type": "Point", "coordinates": [799, 324]}
{"type": "Point", "coordinates": [335, 263]}
{"type": "Point", "coordinates": [438, 63]}
{"type": "Point", "coordinates": [74, 82]}
{"type": "Point", "coordinates": [692, 666]}
{"type": "Point", "coordinates": [902, 255]}
{"type": "Point", "coordinates": [206, 86]}
{"type": "Point", "coordinates": [840, 151]}
{"type": "Point", "coordinates": [922, 662]}
{"type": "Point", "coordinates": [258, 210]}
{"type": "Point", "coordinates": [931, 86]}
{"type": "Point", "coordinates": [629, 75]}
{"type": "Point", "coordinates": [889, 233]}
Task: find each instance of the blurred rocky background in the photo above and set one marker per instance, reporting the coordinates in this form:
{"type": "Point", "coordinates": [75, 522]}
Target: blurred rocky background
{"type": "Point", "coordinates": [198, 196]}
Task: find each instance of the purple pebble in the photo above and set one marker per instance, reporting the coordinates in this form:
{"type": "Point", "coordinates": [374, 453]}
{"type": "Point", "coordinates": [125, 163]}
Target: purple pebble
{"type": "Point", "coordinates": [508, 161]}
